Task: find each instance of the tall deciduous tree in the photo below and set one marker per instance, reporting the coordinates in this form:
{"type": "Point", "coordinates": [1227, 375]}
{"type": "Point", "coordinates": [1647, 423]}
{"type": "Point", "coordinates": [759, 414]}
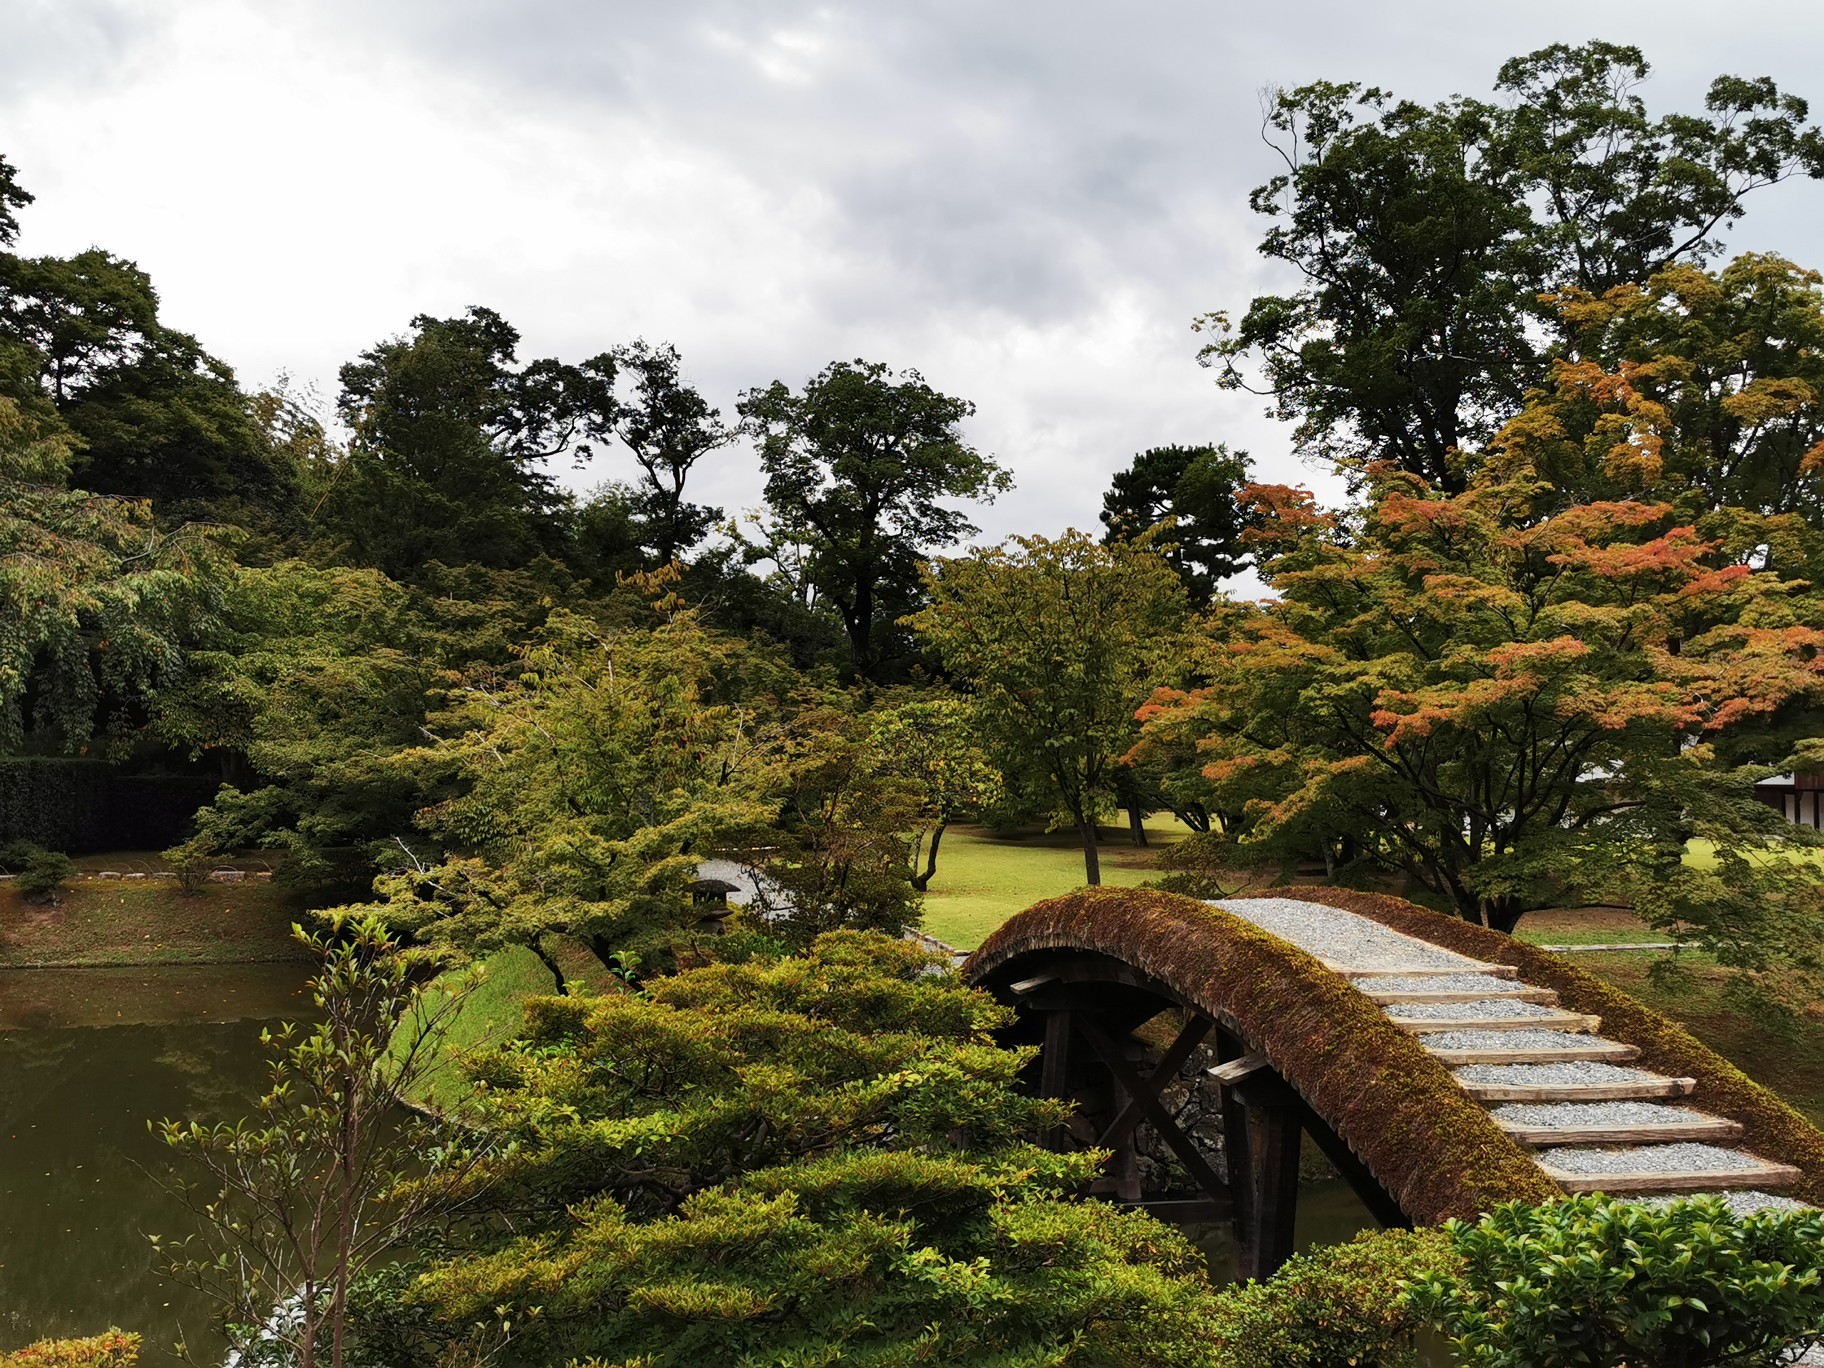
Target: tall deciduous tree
{"type": "Point", "coordinates": [451, 435]}
{"type": "Point", "coordinates": [669, 427]}
{"type": "Point", "coordinates": [935, 744]}
{"type": "Point", "coordinates": [582, 791]}
{"type": "Point", "coordinates": [1199, 489]}
{"type": "Point", "coordinates": [13, 197]}
{"type": "Point", "coordinates": [1425, 236]}
{"type": "Point", "coordinates": [1060, 641]}
{"type": "Point", "coordinates": [1702, 388]}
{"type": "Point", "coordinates": [859, 466]}
{"type": "Point", "coordinates": [1517, 703]}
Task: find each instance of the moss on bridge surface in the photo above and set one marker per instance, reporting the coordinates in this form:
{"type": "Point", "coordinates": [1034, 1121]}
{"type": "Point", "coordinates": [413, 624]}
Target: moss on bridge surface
{"type": "Point", "coordinates": [1437, 1151]}
{"type": "Point", "coordinates": [1772, 1128]}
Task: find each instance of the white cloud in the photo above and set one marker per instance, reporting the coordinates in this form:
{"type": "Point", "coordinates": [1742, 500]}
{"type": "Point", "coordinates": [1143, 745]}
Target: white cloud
{"type": "Point", "coordinates": [1026, 201]}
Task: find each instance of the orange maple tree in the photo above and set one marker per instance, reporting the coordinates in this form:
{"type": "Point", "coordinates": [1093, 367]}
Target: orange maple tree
{"type": "Point", "coordinates": [1519, 702]}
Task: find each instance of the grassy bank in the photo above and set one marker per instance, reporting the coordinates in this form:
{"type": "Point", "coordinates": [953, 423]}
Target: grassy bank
{"type": "Point", "coordinates": [983, 879]}
{"type": "Point", "coordinates": [100, 923]}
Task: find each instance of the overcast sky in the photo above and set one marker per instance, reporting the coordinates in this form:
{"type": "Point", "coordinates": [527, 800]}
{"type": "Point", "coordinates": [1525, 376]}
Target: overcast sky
{"type": "Point", "coordinates": [1028, 202]}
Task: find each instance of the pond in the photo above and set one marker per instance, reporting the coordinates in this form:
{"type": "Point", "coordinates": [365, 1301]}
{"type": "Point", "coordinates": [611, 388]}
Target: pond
{"type": "Point", "coordinates": [87, 1057]}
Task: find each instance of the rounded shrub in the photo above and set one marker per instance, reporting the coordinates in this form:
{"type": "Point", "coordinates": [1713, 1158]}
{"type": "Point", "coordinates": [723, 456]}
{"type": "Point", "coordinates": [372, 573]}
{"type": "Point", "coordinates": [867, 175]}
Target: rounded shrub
{"type": "Point", "coordinates": [1600, 1281]}
{"type": "Point", "coordinates": [38, 873]}
{"type": "Point", "coordinates": [1334, 1307]}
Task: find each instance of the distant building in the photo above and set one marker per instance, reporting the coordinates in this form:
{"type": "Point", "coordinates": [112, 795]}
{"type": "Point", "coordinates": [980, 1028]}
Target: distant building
{"type": "Point", "coordinates": [1799, 796]}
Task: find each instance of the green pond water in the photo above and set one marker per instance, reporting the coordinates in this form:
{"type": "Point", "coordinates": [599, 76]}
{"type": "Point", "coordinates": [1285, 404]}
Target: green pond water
{"type": "Point", "coordinates": [88, 1056]}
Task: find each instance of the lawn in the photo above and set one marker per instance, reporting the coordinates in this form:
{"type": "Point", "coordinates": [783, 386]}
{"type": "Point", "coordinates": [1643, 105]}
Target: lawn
{"type": "Point", "coordinates": [491, 1013]}
{"type": "Point", "coordinates": [983, 879]}
{"type": "Point", "coordinates": [113, 923]}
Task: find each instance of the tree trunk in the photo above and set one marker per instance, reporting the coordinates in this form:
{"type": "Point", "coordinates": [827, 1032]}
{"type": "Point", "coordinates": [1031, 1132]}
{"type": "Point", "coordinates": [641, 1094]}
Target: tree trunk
{"type": "Point", "coordinates": [923, 881]}
{"type": "Point", "coordinates": [1136, 823]}
{"type": "Point", "coordinates": [1092, 863]}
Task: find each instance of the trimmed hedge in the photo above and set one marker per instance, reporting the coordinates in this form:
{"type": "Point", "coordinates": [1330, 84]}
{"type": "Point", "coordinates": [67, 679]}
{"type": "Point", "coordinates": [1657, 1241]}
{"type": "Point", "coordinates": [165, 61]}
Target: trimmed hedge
{"type": "Point", "coordinates": [1773, 1129]}
{"type": "Point", "coordinates": [1398, 1108]}
{"type": "Point", "coordinates": [84, 806]}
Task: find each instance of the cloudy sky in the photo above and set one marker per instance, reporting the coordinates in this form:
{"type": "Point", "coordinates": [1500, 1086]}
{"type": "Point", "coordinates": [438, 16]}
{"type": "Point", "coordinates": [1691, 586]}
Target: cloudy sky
{"type": "Point", "coordinates": [1026, 201]}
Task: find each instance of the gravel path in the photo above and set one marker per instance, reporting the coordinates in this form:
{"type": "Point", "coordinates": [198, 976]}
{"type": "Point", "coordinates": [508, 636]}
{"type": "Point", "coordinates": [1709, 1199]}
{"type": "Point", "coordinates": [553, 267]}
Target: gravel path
{"type": "Point", "coordinates": [1439, 983]}
{"type": "Point", "coordinates": [1684, 1158]}
{"type": "Point", "coordinates": [1342, 938]}
{"type": "Point", "coordinates": [1551, 1075]}
{"type": "Point", "coordinates": [1506, 1040]}
{"type": "Point", "coordinates": [1594, 1114]}
{"type": "Point", "coordinates": [1487, 1009]}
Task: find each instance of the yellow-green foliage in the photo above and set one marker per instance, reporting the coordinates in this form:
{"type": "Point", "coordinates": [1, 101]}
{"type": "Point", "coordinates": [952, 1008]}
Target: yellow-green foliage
{"type": "Point", "coordinates": [112, 1350]}
{"type": "Point", "coordinates": [1594, 1280]}
{"type": "Point", "coordinates": [1337, 1307]}
{"type": "Point", "coordinates": [817, 1159]}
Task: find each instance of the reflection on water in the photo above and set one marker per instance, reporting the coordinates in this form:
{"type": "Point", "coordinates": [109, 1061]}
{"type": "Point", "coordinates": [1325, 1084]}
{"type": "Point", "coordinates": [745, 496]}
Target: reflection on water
{"type": "Point", "coordinates": [75, 1097]}
{"type": "Point", "coordinates": [1328, 1213]}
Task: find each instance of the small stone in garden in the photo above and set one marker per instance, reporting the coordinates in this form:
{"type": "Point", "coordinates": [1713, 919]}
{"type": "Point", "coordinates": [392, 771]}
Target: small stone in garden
{"type": "Point", "coordinates": [133, 876]}
{"type": "Point", "coordinates": [107, 874]}
{"type": "Point", "coordinates": [227, 875]}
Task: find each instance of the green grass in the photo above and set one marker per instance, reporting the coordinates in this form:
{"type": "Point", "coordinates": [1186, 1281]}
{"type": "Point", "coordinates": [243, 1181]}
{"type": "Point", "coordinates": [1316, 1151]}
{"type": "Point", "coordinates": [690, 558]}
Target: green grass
{"type": "Point", "coordinates": [96, 923]}
{"type": "Point", "coordinates": [983, 879]}
{"type": "Point", "coordinates": [490, 1014]}
{"type": "Point", "coordinates": [1702, 854]}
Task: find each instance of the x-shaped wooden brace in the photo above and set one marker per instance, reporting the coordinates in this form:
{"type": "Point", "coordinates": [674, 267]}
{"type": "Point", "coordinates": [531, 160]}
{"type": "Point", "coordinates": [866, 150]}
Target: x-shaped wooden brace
{"type": "Point", "coordinates": [1143, 1097]}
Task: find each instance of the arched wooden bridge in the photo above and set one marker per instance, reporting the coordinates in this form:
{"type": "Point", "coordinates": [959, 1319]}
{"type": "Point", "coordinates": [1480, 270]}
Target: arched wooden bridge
{"type": "Point", "coordinates": [1441, 1068]}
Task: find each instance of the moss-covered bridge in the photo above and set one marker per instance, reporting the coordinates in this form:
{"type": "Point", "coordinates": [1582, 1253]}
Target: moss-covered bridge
{"type": "Point", "coordinates": [1442, 1068]}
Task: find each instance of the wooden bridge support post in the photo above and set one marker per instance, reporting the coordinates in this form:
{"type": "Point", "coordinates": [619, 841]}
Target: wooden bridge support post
{"type": "Point", "coordinates": [1054, 1067]}
{"type": "Point", "coordinates": [1268, 1239]}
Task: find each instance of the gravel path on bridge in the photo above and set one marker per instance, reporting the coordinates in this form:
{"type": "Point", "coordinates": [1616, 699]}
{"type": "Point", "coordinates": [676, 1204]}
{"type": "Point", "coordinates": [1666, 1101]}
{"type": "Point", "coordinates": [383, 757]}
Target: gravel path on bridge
{"type": "Point", "coordinates": [1685, 1157]}
{"type": "Point", "coordinates": [1551, 1075]}
{"type": "Point", "coordinates": [1379, 959]}
{"type": "Point", "coordinates": [1506, 1040]}
{"type": "Point", "coordinates": [1342, 938]}
{"type": "Point", "coordinates": [1438, 983]}
{"type": "Point", "coordinates": [1489, 1009]}
{"type": "Point", "coordinates": [1562, 1114]}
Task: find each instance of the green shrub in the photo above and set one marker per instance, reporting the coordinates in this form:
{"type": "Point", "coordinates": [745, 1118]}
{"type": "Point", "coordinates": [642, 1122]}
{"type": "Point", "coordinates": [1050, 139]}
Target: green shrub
{"type": "Point", "coordinates": [112, 1350]}
{"type": "Point", "coordinates": [192, 862]}
{"type": "Point", "coordinates": [1336, 1307]}
{"type": "Point", "coordinates": [38, 872]}
{"type": "Point", "coordinates": [1594, 1280]}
